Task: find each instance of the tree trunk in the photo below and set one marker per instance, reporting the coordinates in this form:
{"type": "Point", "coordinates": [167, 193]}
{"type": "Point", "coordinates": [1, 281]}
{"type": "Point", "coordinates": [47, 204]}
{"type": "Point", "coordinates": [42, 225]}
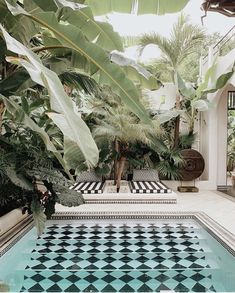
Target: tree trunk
{"type": "Point", "coordinates": [121, 165]}
{"type": "Point", "coordinates": [177, 123]}
{"type": "Point", "coordinates": [2, 108]}
{"type": "Point", "coordinates": [115, 167]}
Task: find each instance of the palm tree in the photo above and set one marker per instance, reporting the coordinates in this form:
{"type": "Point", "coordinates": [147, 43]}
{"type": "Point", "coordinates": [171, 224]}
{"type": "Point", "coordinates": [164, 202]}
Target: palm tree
{"type": "Point", "coordinates": [184, 40]}
{"type": "Point", "coordinates": [121, 127]}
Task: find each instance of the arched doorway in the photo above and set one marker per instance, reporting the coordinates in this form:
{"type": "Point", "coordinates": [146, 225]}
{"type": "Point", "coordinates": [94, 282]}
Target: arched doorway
{"type": "Point", "coordinates": [226, 140]}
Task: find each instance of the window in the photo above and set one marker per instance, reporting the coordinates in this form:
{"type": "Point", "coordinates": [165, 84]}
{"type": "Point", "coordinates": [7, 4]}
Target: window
{"type": "Point", "coordinates": [231, 100]}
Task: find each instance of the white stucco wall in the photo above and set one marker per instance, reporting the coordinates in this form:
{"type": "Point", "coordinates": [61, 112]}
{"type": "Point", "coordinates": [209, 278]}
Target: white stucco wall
{"type": "Point", "coordinates": [222, 138]}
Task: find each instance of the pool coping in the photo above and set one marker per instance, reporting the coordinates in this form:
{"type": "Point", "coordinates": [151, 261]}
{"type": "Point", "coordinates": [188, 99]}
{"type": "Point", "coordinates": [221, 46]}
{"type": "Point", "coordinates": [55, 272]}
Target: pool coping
{"type": "Point", "coordinates": [11, 237]}
{"type": "Point", "coordinates": [221, 234]}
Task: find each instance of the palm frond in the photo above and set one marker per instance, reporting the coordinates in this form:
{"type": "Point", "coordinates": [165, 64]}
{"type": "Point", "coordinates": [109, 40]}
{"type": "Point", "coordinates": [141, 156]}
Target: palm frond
{"type": "Point", "coordinates": [129, 41]}
{"type": "Point", "coordinates": [80, 81]}
{"type": "Point", "coordinates": [168, 171]}
{"type": "Point", "coordinates": [185, 39]}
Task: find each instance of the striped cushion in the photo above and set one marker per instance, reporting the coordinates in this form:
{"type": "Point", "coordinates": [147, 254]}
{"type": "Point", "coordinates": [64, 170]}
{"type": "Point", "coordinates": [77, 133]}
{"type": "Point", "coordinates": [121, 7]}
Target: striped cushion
{"type": "Point", "coordinates": [148, 187]}
{"type": "Point", "coordinates": [88, 187]}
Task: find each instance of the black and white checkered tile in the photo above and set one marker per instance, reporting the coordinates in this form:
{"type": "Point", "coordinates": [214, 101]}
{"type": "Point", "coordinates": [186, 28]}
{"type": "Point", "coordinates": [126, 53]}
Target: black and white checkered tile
{"type": "Point", "coordinates": [121, 258]}
{"type": "Point", "coordinates": [148, 187]}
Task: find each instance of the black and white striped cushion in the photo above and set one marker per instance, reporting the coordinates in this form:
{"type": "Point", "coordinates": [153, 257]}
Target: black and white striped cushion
{"type": "Point", "coordinates": [148, 187]}
{"type": "Point", "coordinates": [88, 187]}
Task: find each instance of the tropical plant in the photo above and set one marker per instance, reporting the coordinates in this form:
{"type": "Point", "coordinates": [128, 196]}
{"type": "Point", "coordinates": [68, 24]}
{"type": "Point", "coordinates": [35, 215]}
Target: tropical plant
{"type": "Point", "coordinates": [231, 141]}
{"type": "Point", "coordinates": [136, 6]}
{"type": "Point", "coordinates": [30, 176]}
{"type": "Point", "coordinates": [56, 41]}
{"type": "Point", "coordinates": [64, 34]}
{"type": "Point", "coordinates": [185, 39]}
{"type": "Point", "coordinates": [115, 123]}
{"type": "Point", "coordinates": [89, 56]}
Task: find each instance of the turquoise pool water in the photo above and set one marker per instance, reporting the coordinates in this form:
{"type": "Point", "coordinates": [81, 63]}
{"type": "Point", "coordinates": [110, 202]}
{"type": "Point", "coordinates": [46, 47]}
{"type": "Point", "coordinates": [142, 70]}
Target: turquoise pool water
{"type": "Point", "coordinates": [119, 256]}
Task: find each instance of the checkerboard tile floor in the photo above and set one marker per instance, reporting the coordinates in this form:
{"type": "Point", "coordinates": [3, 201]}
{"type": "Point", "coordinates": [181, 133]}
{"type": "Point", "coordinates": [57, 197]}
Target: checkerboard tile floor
{"type": "Point", "coordinates": [121, 258]}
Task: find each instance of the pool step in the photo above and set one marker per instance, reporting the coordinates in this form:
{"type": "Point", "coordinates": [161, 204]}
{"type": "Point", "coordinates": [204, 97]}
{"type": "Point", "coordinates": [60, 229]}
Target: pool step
{"type": "Point", "coordinates": [122, 227]}
{"type": "Point", "coordinates": [124, 262]}
{"type": "Point", "coordinates": [156, 234]}
{"type": "Point", "coordinates": [123, 281]}
{"type": "Point", "coordinates": [131, 245]}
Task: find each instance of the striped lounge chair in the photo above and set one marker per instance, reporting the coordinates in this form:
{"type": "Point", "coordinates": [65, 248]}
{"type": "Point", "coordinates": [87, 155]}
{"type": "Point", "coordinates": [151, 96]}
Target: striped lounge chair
{"type": "Point", "coordinates": [147, 181]}
{"type": "Point", "coordinates": [88, 183]}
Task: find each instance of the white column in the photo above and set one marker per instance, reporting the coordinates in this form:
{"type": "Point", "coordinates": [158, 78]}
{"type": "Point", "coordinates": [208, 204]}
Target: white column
{"type": "Point", "coordinates": [212, 148]}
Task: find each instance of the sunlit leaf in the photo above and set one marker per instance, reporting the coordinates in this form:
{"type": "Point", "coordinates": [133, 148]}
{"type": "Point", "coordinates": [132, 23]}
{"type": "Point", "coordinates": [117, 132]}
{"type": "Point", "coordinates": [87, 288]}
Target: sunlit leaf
{"type": "Point", "coordinates": [38, 216]}
{"type": "Point", "coordinates": [200, 105]}
{"type": "Point", "coordinates": [71, 37]}
{"type": "Point", "coordinates": [158, 7]}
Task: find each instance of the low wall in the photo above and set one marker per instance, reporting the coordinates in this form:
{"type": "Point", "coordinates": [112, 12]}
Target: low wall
{"type": "Point", "coordinates": [10, 220]}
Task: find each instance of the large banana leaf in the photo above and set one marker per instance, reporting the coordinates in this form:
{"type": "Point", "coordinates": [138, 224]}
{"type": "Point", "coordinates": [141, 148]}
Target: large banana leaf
{"type": "Point", "coordinates": [135, 71]}
{"type": "Point", "coordinates": [218, 74]}
{"type": "Point", "coordinates": [81, 16]}
{"type": "Point", "coordinates": [60, 102]}
{"type": "Point", "coordinates": [73, 38]}
{"type": "Point", "coordinates": [159, 7]}
{"type": "Point", "coordinates": [20, 27]}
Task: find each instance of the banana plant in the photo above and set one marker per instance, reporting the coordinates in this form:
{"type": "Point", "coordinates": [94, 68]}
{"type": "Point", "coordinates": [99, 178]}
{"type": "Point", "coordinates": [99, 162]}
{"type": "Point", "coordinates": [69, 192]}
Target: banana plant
{"type": "Point", "coordinates": [73, 127]}
{"type": "Point", "coordinates": [69, 36]}
{"type": "Point", "coordinates": [216, 77]}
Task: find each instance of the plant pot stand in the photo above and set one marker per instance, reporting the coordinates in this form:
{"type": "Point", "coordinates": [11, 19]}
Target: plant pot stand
{"type": "Point", "coordinates": [187, 188]}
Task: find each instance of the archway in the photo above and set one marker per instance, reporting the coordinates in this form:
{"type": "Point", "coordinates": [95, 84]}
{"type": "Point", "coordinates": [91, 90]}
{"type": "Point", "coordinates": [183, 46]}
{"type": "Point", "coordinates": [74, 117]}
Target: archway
{"type": "Point", "coordinates": [225, 146]}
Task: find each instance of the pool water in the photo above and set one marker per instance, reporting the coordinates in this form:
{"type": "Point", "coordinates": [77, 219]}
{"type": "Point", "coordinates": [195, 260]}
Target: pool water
{"type": "Point", "coordinates": [124, 256]}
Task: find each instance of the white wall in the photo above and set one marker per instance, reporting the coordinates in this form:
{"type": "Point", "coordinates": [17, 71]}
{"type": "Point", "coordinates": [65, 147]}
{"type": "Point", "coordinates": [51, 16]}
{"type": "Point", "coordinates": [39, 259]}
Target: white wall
{"type": "Point", "coordinates": [213, 139]}
{"type": "Point", "coordinates": [222, 138]}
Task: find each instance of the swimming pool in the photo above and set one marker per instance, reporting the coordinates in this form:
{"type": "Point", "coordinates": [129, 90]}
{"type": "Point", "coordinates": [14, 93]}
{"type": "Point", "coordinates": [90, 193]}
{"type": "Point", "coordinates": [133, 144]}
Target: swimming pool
{"type": "Point", "coordinates": [119, 256]}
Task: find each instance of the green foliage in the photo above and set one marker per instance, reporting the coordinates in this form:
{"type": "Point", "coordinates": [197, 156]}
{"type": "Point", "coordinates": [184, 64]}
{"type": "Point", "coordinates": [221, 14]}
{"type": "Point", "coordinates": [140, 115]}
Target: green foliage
{"type": "Point", "coordinates": [105, 157]}
{"type": "Point", "coordinates": [39, 216]}
{"type": "Point", "coordinates": [129, 6]}
{"type": "Point", "coordinates": [167, 162]}
{"type": "Point", "coordinates": [231, 140]}
{"type": "Point", "coordinates": [11, 197]}
{"type": "Point", "coordinates": [185, 40]}
{"type": "Point", "coordinates": [65, 118]}
{"type": "Point", "coordinates": [68, 35]}
{"type": "Point", "coordinates": [186, 140]}
{"type": "Point", "coordinates": [68, 197]}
